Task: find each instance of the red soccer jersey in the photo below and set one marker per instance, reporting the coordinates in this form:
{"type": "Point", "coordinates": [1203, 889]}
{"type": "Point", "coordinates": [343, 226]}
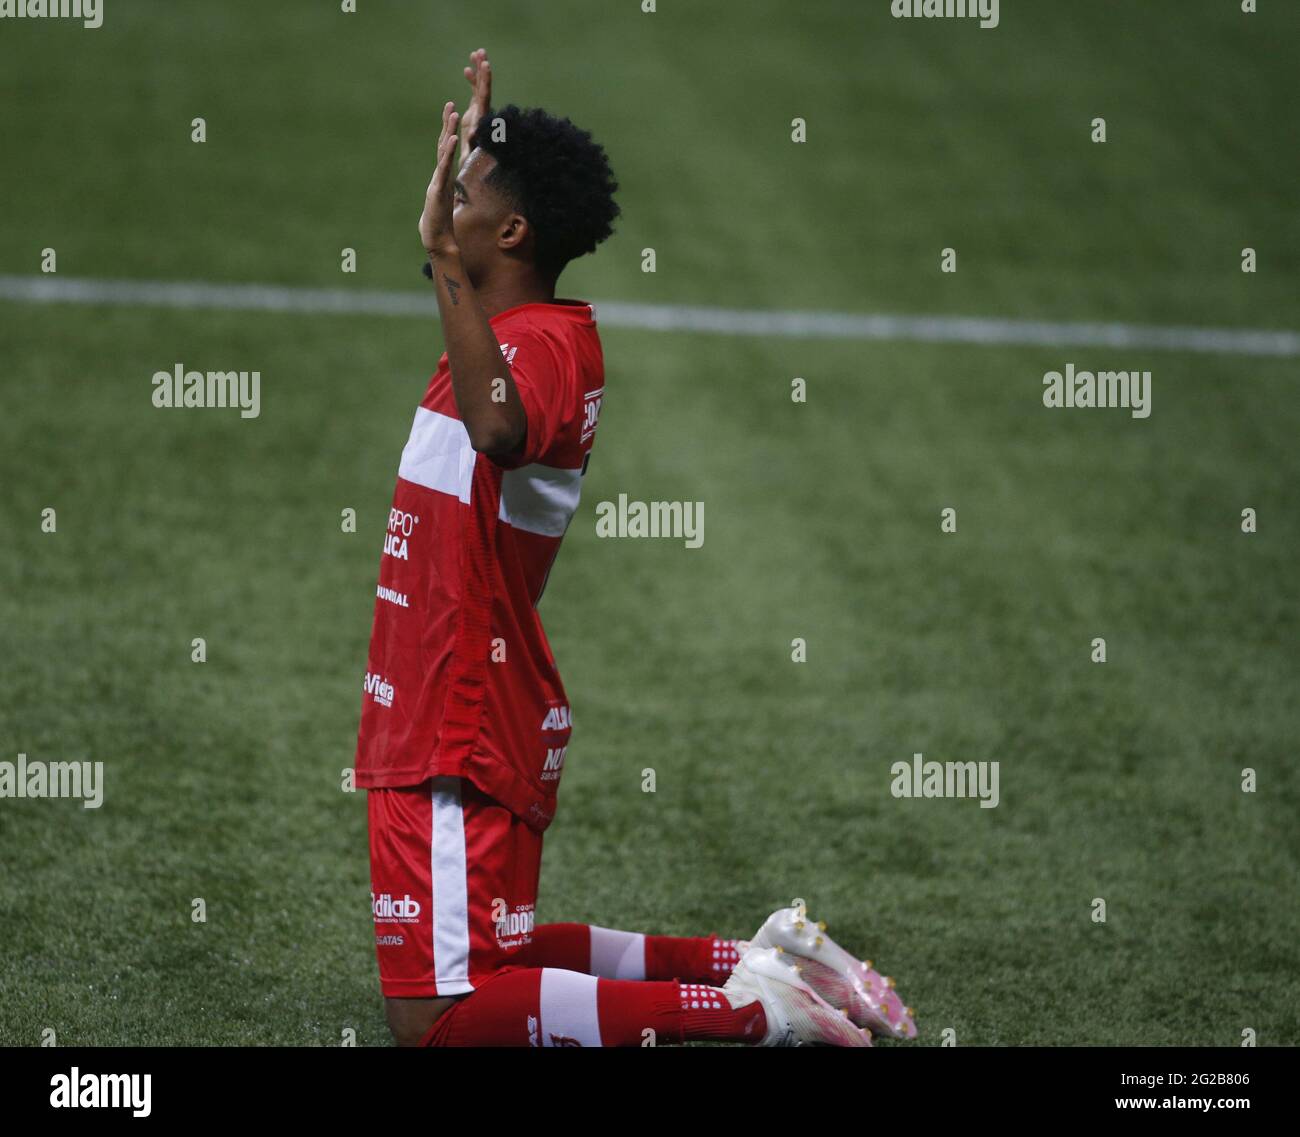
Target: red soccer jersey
{"type": "Point", "coordinates": [460, 678]}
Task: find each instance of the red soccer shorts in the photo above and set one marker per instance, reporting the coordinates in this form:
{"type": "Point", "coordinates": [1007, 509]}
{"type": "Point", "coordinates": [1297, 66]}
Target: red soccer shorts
{"type": "Point", "coordinates": [453, 886]}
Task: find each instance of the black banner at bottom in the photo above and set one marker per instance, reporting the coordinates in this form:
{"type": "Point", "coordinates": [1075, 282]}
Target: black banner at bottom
{"type": "Point", "coordinates": [909, 1087]}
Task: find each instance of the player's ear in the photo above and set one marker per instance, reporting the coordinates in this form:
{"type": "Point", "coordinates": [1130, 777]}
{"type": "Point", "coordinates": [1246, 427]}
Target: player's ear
{"type": "Point", "coordinates": [514, 232]}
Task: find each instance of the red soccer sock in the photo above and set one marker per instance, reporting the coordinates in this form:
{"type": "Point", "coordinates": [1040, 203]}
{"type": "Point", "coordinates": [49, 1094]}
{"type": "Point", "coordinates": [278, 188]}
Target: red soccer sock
{"type": "Point", "coordinates": [700, 959]}
{"type": "Point", "coordinates": [551, 1007]}
{"type": "Point", "coordinates": [611, 954]}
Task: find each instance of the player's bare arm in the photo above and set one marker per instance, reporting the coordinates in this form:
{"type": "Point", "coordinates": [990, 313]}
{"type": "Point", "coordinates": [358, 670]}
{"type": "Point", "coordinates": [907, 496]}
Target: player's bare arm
{"type": "Point", "coordinates": [485, 391]}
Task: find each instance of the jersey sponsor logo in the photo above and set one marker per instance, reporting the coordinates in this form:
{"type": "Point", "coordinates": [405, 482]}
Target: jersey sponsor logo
{"type": "Point", "coordinates": [393, 596]}
{"type": "Point", "coordinates": [401, 525]}
{"type": "Point", "coordinates": [390, 910]}
{"type": "Point", "coordinates": [591, 411]}
{"type": "Point", "coordinates": [557, 718]}
{"type": "Point", "coordinates": [380, 689]}
{"type": "Point", "coordinates": [553, 767]}
{"type": "Point", "coordinates": [390, 941]}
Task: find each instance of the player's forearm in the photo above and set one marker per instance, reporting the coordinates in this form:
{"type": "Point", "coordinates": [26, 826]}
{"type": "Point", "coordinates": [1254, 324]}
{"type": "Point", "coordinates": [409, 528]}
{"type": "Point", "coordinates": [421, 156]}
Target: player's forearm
{"type": "Point", "coordinates": [485, 391]}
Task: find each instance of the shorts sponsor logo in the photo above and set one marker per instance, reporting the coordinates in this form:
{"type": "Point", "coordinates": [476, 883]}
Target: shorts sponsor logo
{"type": "Point", "coordinates": [394, 910]}
{"type": "Point", "coordinates": [379, 689]}
{"type": "Point", "coordinates": [513, 927]}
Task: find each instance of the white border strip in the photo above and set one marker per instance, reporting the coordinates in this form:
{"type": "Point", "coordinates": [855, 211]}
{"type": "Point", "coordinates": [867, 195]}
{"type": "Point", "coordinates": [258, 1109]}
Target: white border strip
{"type": "Point", "coordinates": [664, 317]}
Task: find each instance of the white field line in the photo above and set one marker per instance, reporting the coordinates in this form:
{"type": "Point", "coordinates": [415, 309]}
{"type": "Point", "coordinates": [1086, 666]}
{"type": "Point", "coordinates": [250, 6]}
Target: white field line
{"type": "Point", "coordinates": [49, 289]}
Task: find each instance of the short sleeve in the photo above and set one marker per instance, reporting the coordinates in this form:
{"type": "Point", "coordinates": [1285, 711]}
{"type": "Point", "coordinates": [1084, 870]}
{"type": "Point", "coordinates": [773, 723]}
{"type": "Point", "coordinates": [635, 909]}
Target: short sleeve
{"type": "Point", "coordinates": [542, 378]}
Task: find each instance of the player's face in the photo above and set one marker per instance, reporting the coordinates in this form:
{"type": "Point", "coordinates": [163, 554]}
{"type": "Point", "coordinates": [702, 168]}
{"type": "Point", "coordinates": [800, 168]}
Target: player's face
{"type": "Point", "coordinates": [479, 215]}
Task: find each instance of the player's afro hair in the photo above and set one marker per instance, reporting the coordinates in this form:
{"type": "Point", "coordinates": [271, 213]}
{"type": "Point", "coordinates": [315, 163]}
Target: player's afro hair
{"type": "Point", "coordinates": [557, 176]}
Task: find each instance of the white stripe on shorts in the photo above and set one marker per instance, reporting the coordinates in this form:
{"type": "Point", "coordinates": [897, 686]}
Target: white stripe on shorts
{"type": "Point", "coordinates": [450, 890]}
{"type": "Point", "coordinates": [568, 1008]}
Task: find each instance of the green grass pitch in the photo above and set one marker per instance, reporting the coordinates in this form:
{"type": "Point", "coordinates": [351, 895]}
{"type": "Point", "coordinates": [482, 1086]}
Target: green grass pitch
{"type": "Point", "coordinates": [1120, 781]}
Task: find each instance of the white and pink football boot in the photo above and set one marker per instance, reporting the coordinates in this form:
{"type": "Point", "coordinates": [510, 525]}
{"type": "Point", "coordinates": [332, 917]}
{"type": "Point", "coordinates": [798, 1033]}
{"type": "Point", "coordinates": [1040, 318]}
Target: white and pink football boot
{"type": "Point", "coordinates": [796, 1015]}
{"type": "Point", "coordinates": [840, 979]}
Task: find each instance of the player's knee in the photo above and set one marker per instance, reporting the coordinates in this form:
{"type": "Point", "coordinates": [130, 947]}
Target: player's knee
{"type": "Point", "coordinates": [410, 1020]}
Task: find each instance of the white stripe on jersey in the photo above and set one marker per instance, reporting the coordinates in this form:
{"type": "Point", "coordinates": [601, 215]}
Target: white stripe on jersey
{"type": "Point", "coordinates": [540, 499]}
{"type": "Point", "coordinates": [438, 455]}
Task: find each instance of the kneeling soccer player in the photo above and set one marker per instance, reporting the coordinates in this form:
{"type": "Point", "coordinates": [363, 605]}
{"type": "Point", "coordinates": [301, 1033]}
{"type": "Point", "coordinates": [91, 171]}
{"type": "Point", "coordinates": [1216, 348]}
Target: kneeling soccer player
{"type": "Point", "coordinates": [464, 719]}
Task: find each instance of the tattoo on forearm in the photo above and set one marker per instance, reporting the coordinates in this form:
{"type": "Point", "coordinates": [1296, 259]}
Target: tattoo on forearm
{"type": "Point", "coordinates": [452, 286]}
